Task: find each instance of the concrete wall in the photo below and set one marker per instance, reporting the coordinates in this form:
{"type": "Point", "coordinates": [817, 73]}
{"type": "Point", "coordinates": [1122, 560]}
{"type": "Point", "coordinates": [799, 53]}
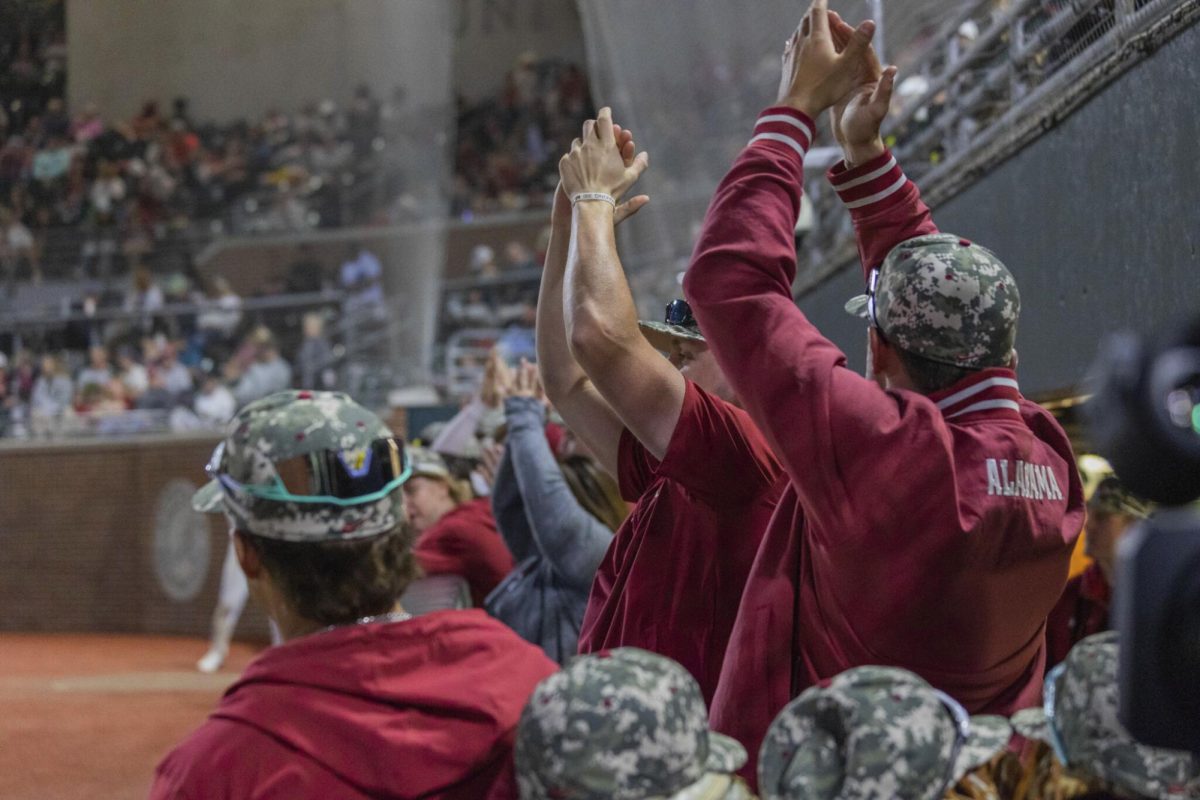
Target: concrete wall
{"type": "Point", "coordinates": [1097, 220]}
{"type": "Point", "coordinates": [235, 58]}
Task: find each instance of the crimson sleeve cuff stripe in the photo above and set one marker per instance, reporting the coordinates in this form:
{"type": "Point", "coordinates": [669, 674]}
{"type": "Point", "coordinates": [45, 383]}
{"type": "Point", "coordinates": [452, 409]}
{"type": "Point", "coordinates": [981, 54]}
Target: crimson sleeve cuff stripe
{"type": "Point", "coordinates": [785, 119]}
{"type": "Point", "coordinates": [782, 139]}
{"type": "Point", "coordinates": [861, 179]}
{"type": "Point", "coordinates": [875, 198]}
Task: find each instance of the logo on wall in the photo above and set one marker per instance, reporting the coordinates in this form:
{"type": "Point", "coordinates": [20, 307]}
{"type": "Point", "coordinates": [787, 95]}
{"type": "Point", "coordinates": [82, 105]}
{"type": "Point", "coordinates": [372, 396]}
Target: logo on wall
{"type": "Point", "coordinates": [182, 542]}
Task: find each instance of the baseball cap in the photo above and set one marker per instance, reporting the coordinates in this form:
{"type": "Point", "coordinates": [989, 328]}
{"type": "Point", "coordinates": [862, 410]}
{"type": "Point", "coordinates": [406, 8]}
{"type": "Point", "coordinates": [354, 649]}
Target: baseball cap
{"type": "Point", "coordinates": [945, 299]}
{"type": "Point", "coordinates": [307, 466]}
{"type": "Point", "coordinates": [622, 724]}
{"type": "Point", "coordinates": [427, 464]}
{"type": "Point", "coordinates": [1112, 497]}
{"type": "Point", "coordinates": [1079, 720]}
{"type": "Point", "coordinates": [678, 323]}
{"type": "Point", "coordinates": [874, 732]}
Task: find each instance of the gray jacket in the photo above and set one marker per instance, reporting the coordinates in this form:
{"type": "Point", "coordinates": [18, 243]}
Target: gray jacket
{"type": "Point", "coordinates": [540, 518]}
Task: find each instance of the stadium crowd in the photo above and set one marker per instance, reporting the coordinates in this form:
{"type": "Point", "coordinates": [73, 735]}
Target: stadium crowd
{"type": "Point", "coordinates": [782, 578]}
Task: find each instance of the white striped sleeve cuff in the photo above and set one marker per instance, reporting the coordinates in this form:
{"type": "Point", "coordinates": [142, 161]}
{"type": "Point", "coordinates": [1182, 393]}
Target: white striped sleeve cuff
{"type": "Point", "coordinates": [868, 185]}
{"type": "Point", "coordinates": [783, 127]}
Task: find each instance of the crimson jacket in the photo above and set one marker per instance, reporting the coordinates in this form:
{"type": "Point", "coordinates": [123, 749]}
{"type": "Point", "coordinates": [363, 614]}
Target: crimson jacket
{"type": "Point", "coordinates": [465, 542]}
{"type": "Point", "coordinates": [425, 708]}
{"type": "Point", "coordinates": [932, 533]}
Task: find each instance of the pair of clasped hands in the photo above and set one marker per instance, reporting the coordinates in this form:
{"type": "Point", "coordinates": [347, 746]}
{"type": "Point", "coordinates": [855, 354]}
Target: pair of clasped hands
{"type": "Point", "coordinates": [827, 64]}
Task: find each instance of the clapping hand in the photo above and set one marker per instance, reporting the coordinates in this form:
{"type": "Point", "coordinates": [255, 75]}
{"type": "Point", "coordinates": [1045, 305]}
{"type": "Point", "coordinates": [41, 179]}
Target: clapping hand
{"type": "Point", "coordinates": [817, 74]}
{"type": "Point", "coordinates": [602, 160]}
{"type": "Point", "coordinates": [497, 376]}
{"type": "Point", "coordinates": [858, 116]}
{"type": "Point", "coordinates": [527, 382]}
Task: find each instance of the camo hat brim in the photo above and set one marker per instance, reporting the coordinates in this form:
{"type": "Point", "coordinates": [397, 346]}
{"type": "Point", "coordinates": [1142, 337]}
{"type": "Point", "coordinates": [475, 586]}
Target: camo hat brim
{"type": "Point", "coordinates": [623, 724]}
{"type": "Point", "coordinates": [1087, 727]}
{"type": "Point", "coordinates": [662, 334]}
{"type": "Point", "coordinates": [872, 732]}
{"type": "Point", "coordinates": [283, 426]}
{"type": "Point", "coordinates": [947, 300]}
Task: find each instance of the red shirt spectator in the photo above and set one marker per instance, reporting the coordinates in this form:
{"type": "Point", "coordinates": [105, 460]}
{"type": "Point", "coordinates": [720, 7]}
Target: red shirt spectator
{"type": "Point", "coordinates": [1081, 611]}
{"type": "Point", "coordinates": [465, 542]}
{"type": "Point", "coordinates": [890, 545]}
{"type": "Point", "coordinates": [674, 574]}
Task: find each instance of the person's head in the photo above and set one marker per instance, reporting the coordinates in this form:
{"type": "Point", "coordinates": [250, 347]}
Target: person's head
{"type": "Point", "coordinates": [871, 728]}
{"type": "Point", "coordinates": [623, 724]}
{"type": "Point", "coordinates": [313, 325]}
{"type": "Point", "coordinates": [431, 492]}
{"type": "Point", "coordinates": [1111, 512]}
{"type": "Point", "coordinates": [50, 365]}
{"type": "Point", "coordinates": [1079, 720]}
{"type": "Point", "coordinates": [679, 336]}
{"type": "Point", "coordinates": [595, 490]}
{"type": "Point", "coordinates": [98, 357]}
{"type": "Point", "coordinates": [940, 308]}
{"type": "Point", "coordinates": [311, 485]}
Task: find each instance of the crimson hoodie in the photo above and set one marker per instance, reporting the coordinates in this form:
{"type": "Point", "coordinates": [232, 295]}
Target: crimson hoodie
{"type": "Point", "coordinates": [465, 542]}
{"type": "Point", "coordinates": [932, 532]}
{"type": "Point", "coordinates": [424, 708]}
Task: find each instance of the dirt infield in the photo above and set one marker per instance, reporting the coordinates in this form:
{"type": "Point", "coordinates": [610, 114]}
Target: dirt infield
{"type": "Point", "coordinates": [90, 716]}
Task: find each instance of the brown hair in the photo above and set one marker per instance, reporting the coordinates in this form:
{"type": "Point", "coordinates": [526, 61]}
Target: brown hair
{"type": "Point", "coordinates": [595, 490]}
{"type": "Point", "coordinates": [334, 583]}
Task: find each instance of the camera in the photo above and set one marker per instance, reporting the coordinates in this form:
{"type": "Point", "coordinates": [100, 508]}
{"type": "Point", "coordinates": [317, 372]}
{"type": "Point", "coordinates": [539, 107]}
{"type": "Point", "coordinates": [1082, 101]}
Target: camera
{"type": "Point", "coordinates": [1145, 418]}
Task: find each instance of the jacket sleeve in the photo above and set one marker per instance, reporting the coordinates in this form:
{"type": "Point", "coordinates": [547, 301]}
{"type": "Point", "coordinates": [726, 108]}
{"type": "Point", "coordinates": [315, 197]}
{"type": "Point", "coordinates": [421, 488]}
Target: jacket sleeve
{"type": "Point", "coordinates": [567, 536]}
{"type": "Point", "coordinates": [509, 509]}
{"type": "Point", "coordinates": [884, 205]}
{"type": "Point", "coordinates": [821, 419]}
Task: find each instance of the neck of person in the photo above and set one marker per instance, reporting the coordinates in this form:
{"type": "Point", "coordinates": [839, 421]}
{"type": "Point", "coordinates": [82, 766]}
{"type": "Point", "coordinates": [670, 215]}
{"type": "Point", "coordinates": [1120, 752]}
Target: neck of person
{"type": "Point", "coordinates": [293, 626]}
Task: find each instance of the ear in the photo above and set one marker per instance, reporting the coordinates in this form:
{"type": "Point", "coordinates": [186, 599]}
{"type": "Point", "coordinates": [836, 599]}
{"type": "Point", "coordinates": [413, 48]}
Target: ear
{"type": "Point", "coordinates": [247, 556]}
{"type": "Point", "coordinates": [1013, 360]}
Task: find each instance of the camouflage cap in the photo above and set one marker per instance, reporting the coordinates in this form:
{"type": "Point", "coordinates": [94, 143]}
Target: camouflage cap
{"type": "Point", "coordinates": [426, 463]}
{"type": "Point", "coordinates": [623, 724]}
{"type": "Point", "coordinates": [1112, 497]}
{"type": "Point", "coordinates": [1082, 701]}
{"type": "Point", "coordinates": [874, 732]}
{"type": "Point", "coordinates": [946, 299]}
{"type": "Point", "coordinates": [282, 426]}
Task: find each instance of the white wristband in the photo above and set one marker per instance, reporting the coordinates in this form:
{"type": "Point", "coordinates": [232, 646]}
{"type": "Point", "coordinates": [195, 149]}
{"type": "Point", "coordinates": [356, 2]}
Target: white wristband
{"type": "Point", "coordinates": [607, 198]}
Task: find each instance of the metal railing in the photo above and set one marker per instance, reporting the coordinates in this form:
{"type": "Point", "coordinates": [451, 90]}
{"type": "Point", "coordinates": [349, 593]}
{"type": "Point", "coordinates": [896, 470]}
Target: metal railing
{"type": "Point", "coordinates": [1029, 66]}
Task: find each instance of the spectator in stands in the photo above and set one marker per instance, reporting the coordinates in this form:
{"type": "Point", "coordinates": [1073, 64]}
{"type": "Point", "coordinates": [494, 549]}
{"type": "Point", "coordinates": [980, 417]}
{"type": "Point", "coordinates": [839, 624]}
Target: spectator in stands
{"type": "Point", "coordinates": [214, 404]}
{"type": "Point", "coordinates": [557, 520]}
{"type": "Point", "coordinates": [52, 396]}
{"type": "Point", "coordinates": [870, 728]}
{"type": "Point", "coordinates": [704, 479]}
{"type": "Point", "coordinates": [471, 310]}
{"type": "Point", "coordinates": [18, 249]}
{"type": "Point", "coordinates": [222, 313]}
{"type": "Point", "coordinates": [332, 711]}
{"type": "Point", "coordinates": [145, 299]}
{"type": "Point", "coordinates": [1089, 750]}
{"type": "Point", "coordinates": [962, 581]}
{"type": "Point", "coordinates": [518, 257]}
{"type": "Point", "coordinates": [483, 262]}
{"type": "Point", "coordinates": [132, 373]}
{"type": "Point", "coordinates": [176, 378]}
{"type": "Point", "coordinates": [314, 359]}
{"type": "Point", "coordinates": [456, 535]}
{"type": "Point", "coordinates": [267, 374]}
{"type": "Point", "coordinates": [1084, 606]}
{"type": "Point", "coordinates": [625, 724]}
{"type": "Point", "coordinates": [517, 341]}
{"type": "Point", "coordinates": [97, 372]}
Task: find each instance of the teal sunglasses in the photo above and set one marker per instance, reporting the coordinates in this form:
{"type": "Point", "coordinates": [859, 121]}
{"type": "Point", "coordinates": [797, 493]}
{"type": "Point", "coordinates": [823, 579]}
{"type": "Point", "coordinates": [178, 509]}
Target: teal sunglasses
{"type": "Point", "coordinates": [329, 477]}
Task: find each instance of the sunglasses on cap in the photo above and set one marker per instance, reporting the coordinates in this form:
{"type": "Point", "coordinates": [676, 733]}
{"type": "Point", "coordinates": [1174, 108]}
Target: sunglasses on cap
{"type": "Point", "coordinates": [872, 287]}
{"type": "Point", "coordinates": [1049, 696]}
{"type": "Point", "coordinates": [334, 477]}
{"type": "Point", "coordinates": [680, 313]}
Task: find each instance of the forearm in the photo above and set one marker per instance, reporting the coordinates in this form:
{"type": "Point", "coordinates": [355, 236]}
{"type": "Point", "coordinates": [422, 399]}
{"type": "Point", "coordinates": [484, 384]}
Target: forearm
{"type": "Point", "coordinates": [601, 318]}
{"type": "Point", "coordinates": [560, 374]}
{"type": "Point", "coordinates": [509, 510]}
{"type": "Point", "coordinates": [885, 206]}
{"type": "Point", "coordinates": [460, 429]}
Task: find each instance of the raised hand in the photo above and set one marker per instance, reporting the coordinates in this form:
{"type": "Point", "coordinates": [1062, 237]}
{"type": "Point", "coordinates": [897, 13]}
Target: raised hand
{"type": "Point", "coordinates": [816, 75]}
{"type": "Point", "coordinates": [527, 382]}
{"type": "Point", "coordinates": [856, 118]}
{"type": "Point", "coordinates": [625, 210]}
{"type": "Point", "coordinates": [497, 380]}
{"type": "Point", "coordinates": [599, 163]}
